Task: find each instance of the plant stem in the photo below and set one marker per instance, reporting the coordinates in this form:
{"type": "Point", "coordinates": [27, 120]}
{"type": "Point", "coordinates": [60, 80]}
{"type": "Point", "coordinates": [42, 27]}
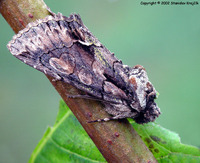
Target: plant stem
{"type": "Point", "coordinates": [116, 140]}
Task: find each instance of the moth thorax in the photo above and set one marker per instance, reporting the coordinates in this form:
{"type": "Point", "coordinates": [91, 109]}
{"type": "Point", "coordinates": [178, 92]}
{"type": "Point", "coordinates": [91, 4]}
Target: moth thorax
{"type": "Point", "coordinates": [139, 81]}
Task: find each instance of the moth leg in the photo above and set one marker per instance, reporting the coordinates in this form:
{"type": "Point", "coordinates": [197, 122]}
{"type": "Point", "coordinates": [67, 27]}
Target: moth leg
{"type": "Point", "coordinates": [105, 119]}
{"type": "Point", "coordinates": [112, 118]}
{"type": "Point", "coordinates": [118, 111]}
{"type": "Point", "coordinates": [90, 98]}
{"type": "Point", "coordinates": [121, 116]}
{"type": "Point", "coordinates": [86, 97]}
{"type": "Point", "coordinates": [81, 96]}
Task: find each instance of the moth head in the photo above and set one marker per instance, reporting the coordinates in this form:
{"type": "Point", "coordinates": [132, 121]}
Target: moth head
{"type": "Point", "coordinates": [144, 95]}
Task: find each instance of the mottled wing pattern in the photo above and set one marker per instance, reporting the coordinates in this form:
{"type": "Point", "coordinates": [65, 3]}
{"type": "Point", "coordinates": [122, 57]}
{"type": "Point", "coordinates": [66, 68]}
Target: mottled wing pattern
{"type": "Point", "coordinates": [65, 49]}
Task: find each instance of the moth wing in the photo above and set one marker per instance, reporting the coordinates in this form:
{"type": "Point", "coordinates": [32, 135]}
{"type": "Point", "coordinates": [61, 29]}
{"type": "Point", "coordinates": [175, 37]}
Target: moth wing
{"type": "Point", "coordinates": [64, 49]}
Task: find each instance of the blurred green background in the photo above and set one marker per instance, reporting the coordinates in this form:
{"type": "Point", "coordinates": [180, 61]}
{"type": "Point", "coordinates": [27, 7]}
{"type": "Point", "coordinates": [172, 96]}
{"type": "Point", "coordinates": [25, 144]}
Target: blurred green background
{"type": "Point", "coordinates": [164, 39]}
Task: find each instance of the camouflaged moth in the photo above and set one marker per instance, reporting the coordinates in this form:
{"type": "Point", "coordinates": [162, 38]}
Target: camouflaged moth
{"type": "Point", "coordinates": [65, 49]}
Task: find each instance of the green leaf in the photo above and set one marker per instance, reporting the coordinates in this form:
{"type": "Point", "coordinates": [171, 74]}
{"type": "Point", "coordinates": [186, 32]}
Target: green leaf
{"type": "Point", "coordinates": [165, 145]}
{"type": "Point", "coordinates": [65, 142]}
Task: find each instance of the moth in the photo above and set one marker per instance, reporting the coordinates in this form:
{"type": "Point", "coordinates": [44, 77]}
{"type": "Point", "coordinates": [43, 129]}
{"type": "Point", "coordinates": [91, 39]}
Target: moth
{"type": "Point", "coordinates": [65, 49]}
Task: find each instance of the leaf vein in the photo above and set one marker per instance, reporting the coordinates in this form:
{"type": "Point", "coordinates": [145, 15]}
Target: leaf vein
{"type": "Point", "coordinates": [70, 152]}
